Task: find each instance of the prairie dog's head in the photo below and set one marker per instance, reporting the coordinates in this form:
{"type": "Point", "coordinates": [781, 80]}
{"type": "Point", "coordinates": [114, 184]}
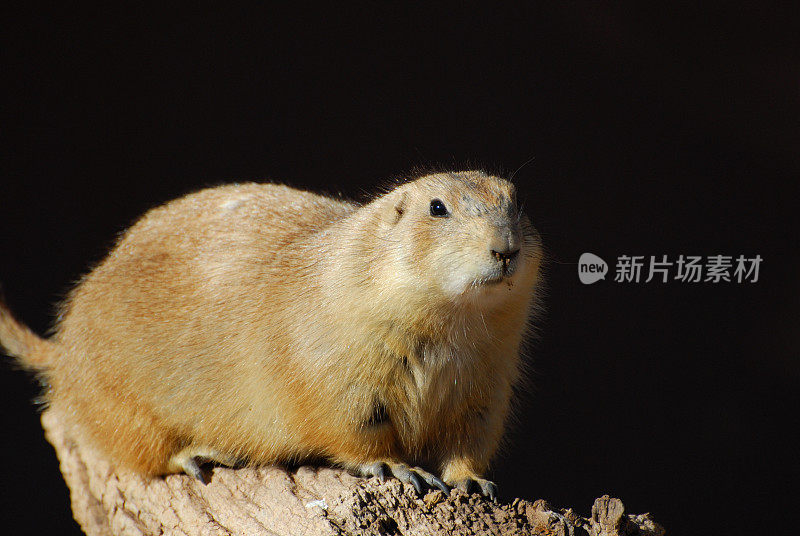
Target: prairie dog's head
{"type": "Point", "coordinates": [460, 234]}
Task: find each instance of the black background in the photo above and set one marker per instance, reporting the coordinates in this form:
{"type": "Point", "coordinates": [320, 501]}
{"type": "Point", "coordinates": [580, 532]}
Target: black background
{"type": "Point", "coordinates": [652, 132]}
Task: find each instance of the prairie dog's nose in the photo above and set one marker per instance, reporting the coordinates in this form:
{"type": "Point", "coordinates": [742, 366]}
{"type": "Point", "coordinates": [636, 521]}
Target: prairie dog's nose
{"type": "Point", "coordinates": [505, 247]}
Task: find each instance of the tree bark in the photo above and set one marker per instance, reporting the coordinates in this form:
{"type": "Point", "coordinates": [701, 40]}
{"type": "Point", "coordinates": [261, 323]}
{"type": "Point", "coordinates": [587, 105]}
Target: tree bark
{"type": "Point", "coordinates": [306, 501]}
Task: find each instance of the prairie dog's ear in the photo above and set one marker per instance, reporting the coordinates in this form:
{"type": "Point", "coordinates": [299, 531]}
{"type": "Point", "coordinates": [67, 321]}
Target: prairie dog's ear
{"type": "Point", "coordinates": [400, 206]}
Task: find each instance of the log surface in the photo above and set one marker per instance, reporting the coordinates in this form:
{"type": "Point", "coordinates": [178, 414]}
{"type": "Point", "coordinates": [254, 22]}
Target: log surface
{"type": "Point", "coordinates": [307, 501]}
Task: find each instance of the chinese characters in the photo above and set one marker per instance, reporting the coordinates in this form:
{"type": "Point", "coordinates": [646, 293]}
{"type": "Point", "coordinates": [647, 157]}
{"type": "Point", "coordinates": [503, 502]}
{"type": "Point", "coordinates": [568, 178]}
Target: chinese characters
{"type": "Point", "coordinates": [687, 269]}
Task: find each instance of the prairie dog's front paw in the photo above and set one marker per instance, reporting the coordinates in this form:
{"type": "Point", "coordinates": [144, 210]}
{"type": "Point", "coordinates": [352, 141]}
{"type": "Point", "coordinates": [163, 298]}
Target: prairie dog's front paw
{"type": "Point", "coordinates": [415, 476]}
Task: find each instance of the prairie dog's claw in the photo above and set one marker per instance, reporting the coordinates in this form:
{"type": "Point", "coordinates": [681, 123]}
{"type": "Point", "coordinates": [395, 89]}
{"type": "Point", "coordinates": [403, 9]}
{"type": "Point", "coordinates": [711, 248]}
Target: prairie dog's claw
{"type": "Point", "coordinates": [440, 485]}
{"type": "Point", "coordinates": [189, 459]}
{"type": "Point", "coordinates": [416, 482]}
{"type": "Point", "coordinates": [487, 488]}
{"type": "Point", "coordinates": [381, 472]}
{"type": "Point", "coordinates": [377, 469]}
{"type": "Point", "coordinates": [191, 468]}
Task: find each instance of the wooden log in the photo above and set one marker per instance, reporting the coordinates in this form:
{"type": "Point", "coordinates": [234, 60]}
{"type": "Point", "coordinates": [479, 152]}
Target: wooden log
{"type": "Point", "coordinates": [306, 501]}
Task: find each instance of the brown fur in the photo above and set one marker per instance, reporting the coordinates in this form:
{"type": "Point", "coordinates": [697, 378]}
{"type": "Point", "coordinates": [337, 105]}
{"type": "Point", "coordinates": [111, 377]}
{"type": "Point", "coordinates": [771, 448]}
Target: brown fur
{"type": "Point", "coordinates": [264, 324]}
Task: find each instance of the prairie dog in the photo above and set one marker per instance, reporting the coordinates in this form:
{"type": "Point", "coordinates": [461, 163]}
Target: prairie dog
{"type": "Point", "coordinates": [259, 324]}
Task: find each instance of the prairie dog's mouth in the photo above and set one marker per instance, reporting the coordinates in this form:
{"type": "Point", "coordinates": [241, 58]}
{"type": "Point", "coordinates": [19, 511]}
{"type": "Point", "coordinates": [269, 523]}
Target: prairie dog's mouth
{"type": "Point", "coordinates": [486, 275]}
{"type": "Point", "coordinates": [498, 274]}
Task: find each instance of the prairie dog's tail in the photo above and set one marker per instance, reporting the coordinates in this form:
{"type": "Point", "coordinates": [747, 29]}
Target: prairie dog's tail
{"type": "Point", "coordinates": [19, 341]}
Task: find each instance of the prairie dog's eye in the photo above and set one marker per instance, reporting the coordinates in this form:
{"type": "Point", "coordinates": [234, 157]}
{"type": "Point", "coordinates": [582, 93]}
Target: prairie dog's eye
{"type": "Point", "coordinates": [438, 209]}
